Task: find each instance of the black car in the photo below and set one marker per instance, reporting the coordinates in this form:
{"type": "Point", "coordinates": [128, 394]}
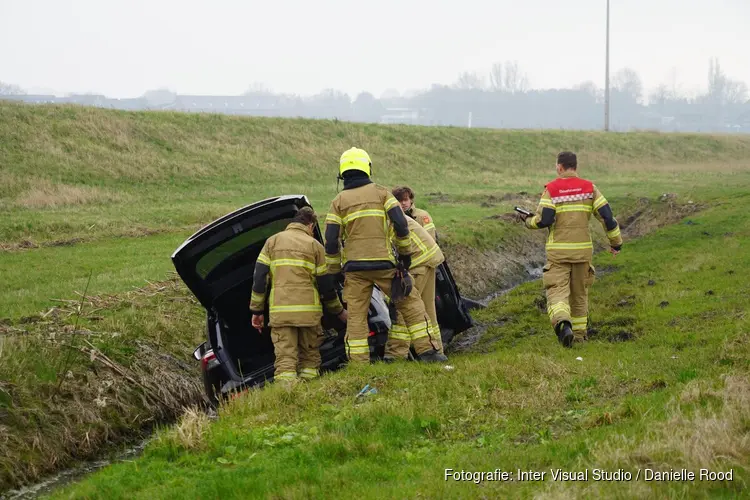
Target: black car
{"type": "Point", "coordinates": [217, 263]}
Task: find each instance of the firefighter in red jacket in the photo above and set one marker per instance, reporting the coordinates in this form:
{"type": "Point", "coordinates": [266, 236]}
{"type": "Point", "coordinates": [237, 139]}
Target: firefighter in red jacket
{"type": "Point", "coordinates": [565, 209]}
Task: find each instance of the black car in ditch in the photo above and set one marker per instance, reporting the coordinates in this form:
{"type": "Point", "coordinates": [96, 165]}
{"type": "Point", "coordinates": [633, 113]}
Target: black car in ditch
{"type": "Point", "coordinates": [217, 263]}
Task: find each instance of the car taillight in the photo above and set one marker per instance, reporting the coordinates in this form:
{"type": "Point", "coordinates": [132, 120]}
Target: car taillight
{"type": "Point", "coordinates": [208, 358]}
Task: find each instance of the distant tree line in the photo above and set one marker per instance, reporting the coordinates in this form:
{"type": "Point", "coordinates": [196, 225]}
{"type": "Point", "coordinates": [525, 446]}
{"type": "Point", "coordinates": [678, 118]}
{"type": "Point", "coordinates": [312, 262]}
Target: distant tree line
{"type": "Point", "coordinates": [503, 98]}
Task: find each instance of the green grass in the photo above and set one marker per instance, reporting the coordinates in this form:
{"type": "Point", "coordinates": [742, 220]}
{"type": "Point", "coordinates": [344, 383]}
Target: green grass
{"type": "Point", "coordinates": [126, 368]}
{"type": "Point", "coordinates": [33, 279]}
{"type": "Point", "coordinates": [112, 194]}
{"type": "Point", "coordinates": [673, 396]}
{"type": "Point", "coordinates": [72, 172]}
{"type": "Point", "coordinates": [90, 177]}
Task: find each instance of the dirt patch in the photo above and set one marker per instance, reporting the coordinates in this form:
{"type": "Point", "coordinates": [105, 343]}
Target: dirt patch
{"type": "Point", "coordinates": [65, 243]}
{"type": "Point", "coordinates": [464, 342]}
{"type": "Point", "coordinates": [21, 245]}
{"type": "Point", "coordinates": [656, 385]}
{"type": "Point", "coordinates": [480, 273]}
{"type": "Point", "coordinates": [650, 215]}
{"type": "Point", "coordinates": [621, 329]}
{"type": "Point", "coordinates": [133, 232]}
{"type": "Point", "coordinates": [622, 336]}
{"type": "Point", "coordinates": [507, 217]}
{"type": "Point", "coordinates": [438, 197]}
{"type": "Point", "coordinates": [520, 198]}
{"type": "Point", "coordinates": [486, 201]}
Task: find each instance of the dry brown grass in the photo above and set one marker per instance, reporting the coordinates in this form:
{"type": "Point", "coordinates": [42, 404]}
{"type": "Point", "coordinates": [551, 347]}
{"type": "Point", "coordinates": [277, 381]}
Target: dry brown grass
{"type": "Point", "coordinates": [710, 438]}
{"type": "Point", "coordinates": [47, 423]}
{"type": "Point", "coordinates": [707, 428]}
{"type": "Point", "coordinates": [45, 194]}
{"type": "Point", "coordinates": [107, 404]}
{"type": "Point", "coordinates": [649, 168]}
{"type": "Point", "coordinates": [189, 432]}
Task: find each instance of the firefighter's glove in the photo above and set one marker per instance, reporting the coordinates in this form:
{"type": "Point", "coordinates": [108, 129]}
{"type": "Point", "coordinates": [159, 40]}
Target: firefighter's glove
{"type": "Point", "coordinates": [401, 285]}
{"type": "Point", "coordinates": [404, 262]}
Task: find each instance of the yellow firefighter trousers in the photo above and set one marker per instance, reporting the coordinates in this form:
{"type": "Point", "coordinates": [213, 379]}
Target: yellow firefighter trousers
{"type": "Point", "coordinates": [357, 293]}
{"type": "Point", "coordinates": [297, 351]}
{"type": "Point", "coordinates": [400, 336]}
{"type": "Point", "coordinates": [567, 287]}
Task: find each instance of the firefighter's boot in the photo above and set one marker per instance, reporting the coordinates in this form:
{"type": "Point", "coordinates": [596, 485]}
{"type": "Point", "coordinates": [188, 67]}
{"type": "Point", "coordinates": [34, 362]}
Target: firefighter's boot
{"type": "Point", "coordinates": [564, 333]}
{"type": "Point", "coordinates": [433, 356]}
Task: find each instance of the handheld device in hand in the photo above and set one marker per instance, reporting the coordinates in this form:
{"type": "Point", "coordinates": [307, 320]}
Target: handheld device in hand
{"type": "Point", "coordinates": [523, 211]}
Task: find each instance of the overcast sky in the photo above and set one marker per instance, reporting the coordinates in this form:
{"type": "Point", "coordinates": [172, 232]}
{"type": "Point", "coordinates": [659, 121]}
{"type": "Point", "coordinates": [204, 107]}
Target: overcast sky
{"type": "Point", "coordinates": [123, 48]}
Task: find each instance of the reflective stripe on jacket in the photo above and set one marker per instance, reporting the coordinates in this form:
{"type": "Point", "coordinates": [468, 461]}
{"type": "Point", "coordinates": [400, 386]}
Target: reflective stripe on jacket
{"type": "Point", "coordinates": [424, 251]}
{"type": "Point", "coordinates": [295, 263]}
{"type": "Point", "coordinates": [358, 219]}
{"type": "Point", "coordinates": [565, 208]}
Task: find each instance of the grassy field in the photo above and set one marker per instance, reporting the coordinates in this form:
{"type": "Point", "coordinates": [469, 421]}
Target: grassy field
{"type": "Point", "coordinates": [109, 195]}
{"type": "Point", "coordinates": [142, 182]}
{"type": "Point", "coordinates": [663, 384]}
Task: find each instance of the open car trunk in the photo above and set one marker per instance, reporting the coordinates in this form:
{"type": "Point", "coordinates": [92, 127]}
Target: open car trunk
{"type": "Point", "coordinates": [217, 265]}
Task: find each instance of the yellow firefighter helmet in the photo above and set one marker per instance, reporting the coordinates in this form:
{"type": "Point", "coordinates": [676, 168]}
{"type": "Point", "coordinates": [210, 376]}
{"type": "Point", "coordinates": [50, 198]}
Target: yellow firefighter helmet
{"type": "Point", "coordinates": [355, 159]}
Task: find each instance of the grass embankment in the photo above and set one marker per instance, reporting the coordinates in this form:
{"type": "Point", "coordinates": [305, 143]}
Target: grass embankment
{"type": "Point", "coordinates": [664, 383]}
{"type": "Point", "coordinates": [73, 175]}
{"type": "Point", "coordinates": [112, 194]}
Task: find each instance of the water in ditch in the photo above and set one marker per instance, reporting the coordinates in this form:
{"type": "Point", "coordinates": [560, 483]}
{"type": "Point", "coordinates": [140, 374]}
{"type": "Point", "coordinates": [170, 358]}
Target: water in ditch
{"type": "Point", "coordinates": [68, 476]}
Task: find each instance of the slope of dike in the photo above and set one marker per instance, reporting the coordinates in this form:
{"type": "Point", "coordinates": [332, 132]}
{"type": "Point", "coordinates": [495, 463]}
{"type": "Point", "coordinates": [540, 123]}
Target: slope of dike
{"type": "Point", "coordinates": [96, 200]}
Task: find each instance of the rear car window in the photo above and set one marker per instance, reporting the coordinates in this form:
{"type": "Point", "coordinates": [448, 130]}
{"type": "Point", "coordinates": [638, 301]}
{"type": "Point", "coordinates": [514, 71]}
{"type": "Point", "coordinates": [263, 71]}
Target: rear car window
{"type": "Point", "coordinates": [238, 245]}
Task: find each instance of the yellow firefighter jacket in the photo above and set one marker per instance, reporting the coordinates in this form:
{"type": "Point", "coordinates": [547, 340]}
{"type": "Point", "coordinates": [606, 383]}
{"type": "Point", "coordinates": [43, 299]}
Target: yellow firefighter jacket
{"type": "Point", "coordinates": [357, 228]}
{"type": "Point", "coordinates": [424, 251]}
{"type": "Point", "coordinates": [295, 262]}
{"type": "Point", "coordinates": [565, 208]}
{"type": "Point", "coordinates": [424, 219]}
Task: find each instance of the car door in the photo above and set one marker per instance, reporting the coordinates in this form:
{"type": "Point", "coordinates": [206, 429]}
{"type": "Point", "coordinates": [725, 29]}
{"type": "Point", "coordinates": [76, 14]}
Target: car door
{"type": "Point", "coordinates": [213, 259]}
{"type": "Point", "coordinates": [453, 314]}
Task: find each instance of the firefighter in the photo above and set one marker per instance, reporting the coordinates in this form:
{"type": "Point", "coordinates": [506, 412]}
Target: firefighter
{"type": "Point", "coordinates": [426, 256]}
{"type": "Point", "coordinates": [565, 209]}
{"type": "Point", "coordinates": [358, 245]}
{"type": "Point", "coordinates": [405, 196]}
{"type": "Point", "coordinates": [296, 265]}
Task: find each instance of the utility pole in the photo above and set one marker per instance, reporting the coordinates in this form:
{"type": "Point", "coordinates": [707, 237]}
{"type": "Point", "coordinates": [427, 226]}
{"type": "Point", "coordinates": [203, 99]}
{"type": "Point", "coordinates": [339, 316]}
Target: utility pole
{"type": "Point", "coordinates": [606, 78]}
